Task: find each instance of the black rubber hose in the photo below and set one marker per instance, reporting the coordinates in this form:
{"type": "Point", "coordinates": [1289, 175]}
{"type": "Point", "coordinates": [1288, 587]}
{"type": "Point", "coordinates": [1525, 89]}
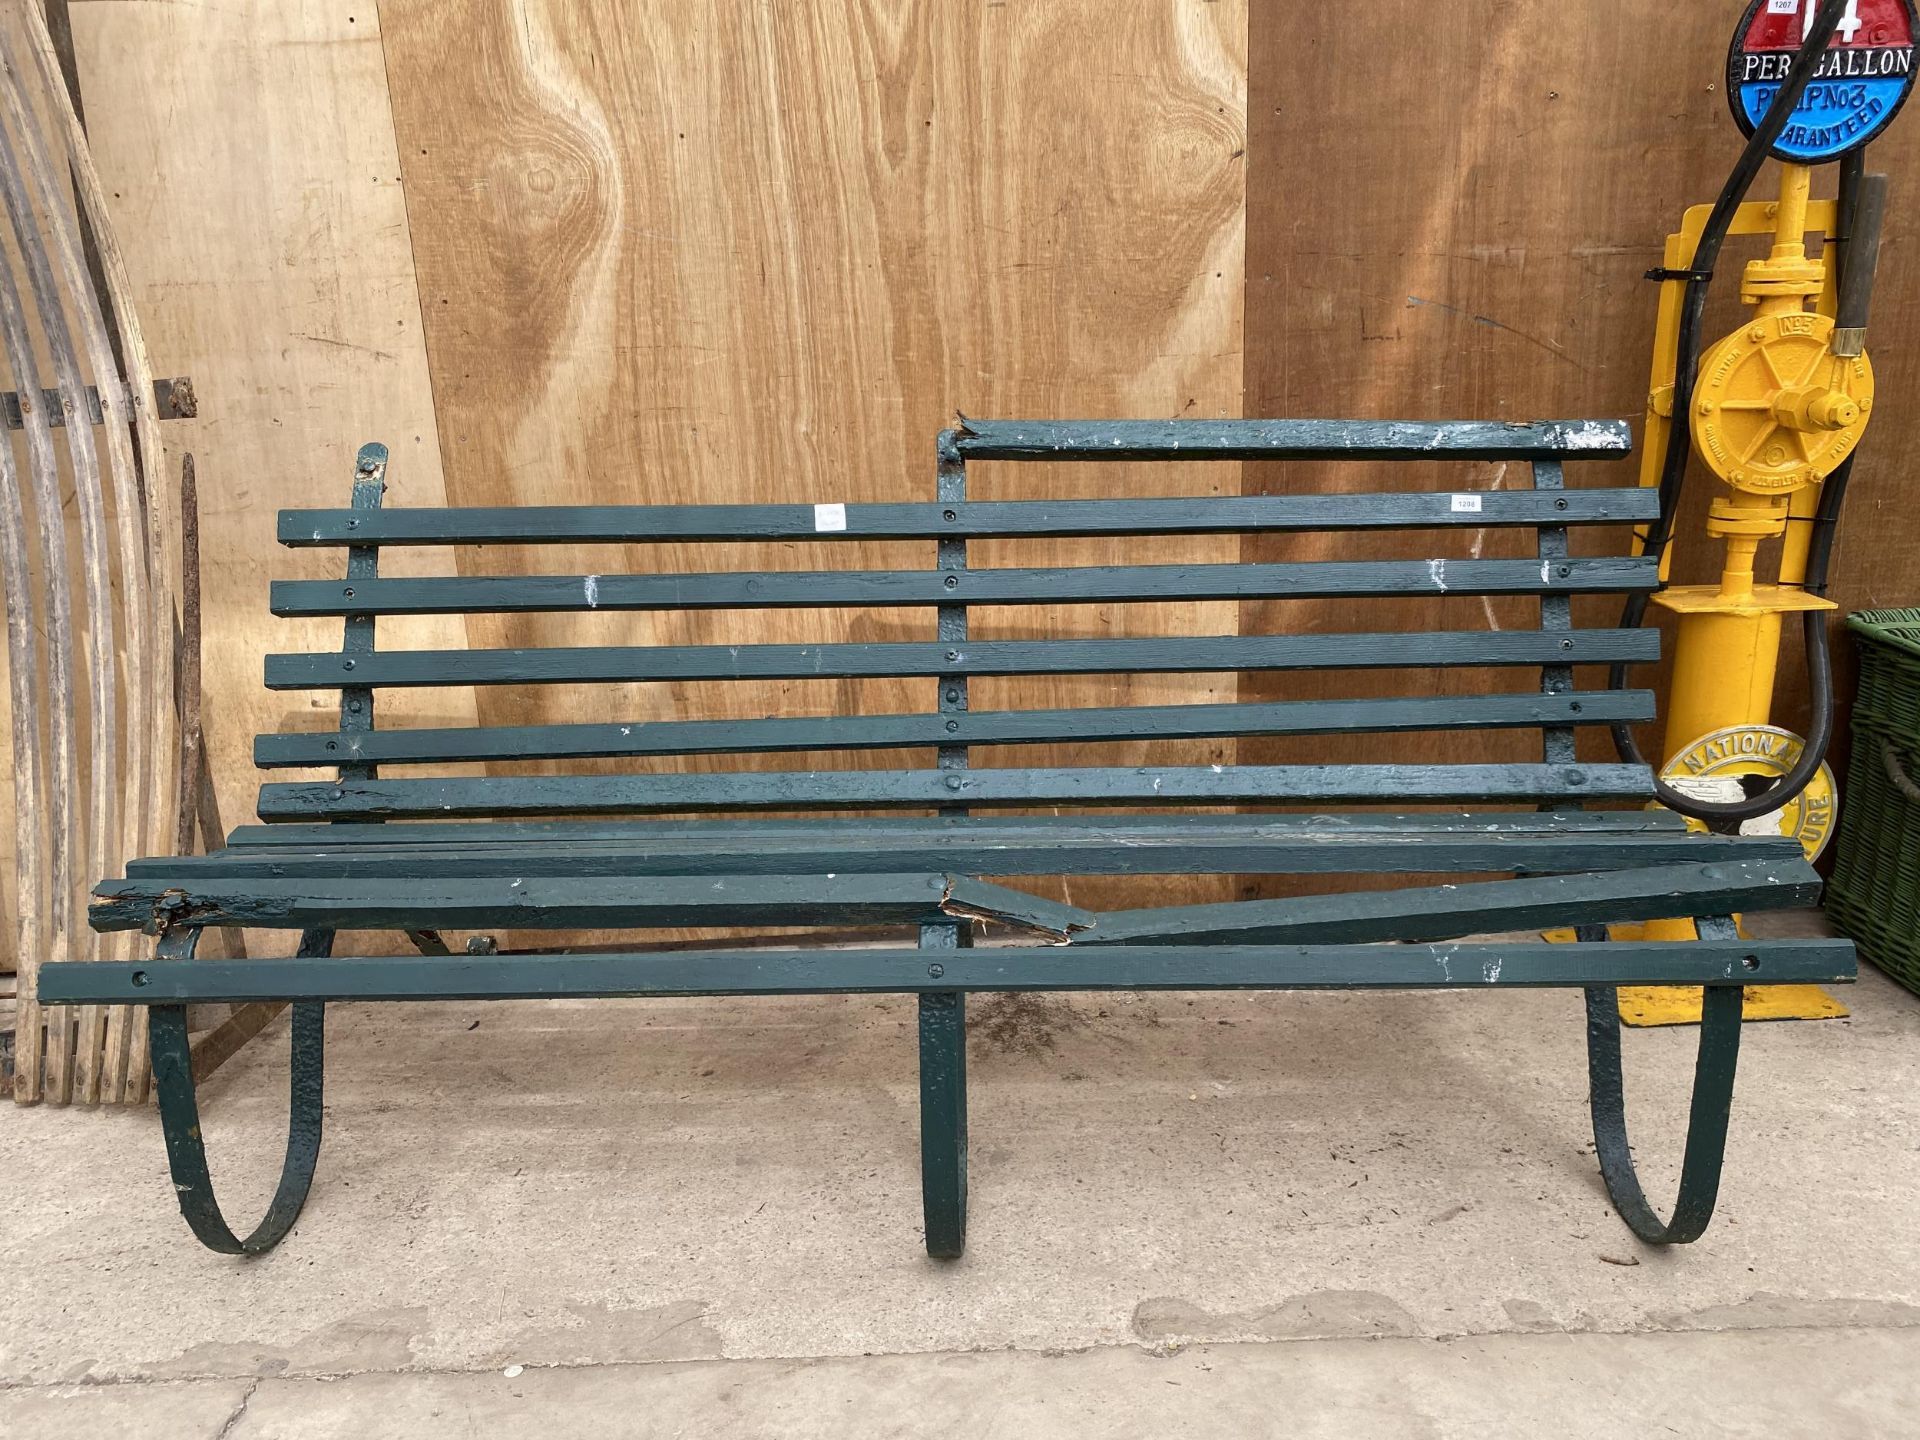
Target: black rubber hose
{"type": "Point", "coordinates": [1673, 466]}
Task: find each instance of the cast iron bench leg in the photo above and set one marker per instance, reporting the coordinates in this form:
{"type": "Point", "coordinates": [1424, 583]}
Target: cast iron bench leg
{"type": "Point", "coordinates": [180, 1112]}
{"type": "Point", "coordinates": [943, 1109]}
{"type": "Point", "coordinates": [1707, 1120]}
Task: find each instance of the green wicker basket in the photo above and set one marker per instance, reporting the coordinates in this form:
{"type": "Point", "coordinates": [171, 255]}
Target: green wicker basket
{"type": "Point", "coordinates": [1874, 894]}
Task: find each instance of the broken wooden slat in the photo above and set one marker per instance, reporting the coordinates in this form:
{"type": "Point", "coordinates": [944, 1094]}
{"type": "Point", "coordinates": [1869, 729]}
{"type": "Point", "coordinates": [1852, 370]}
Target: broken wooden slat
{"type": "Point", "coordinates": [1445, 912]}
{"type": "Point", "coordinates": [561, 902]}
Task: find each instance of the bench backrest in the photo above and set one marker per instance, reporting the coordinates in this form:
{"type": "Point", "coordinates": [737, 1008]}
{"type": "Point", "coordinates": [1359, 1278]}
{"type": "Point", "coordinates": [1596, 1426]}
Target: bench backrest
{"type": "Point", "coordinates": [938, 777]}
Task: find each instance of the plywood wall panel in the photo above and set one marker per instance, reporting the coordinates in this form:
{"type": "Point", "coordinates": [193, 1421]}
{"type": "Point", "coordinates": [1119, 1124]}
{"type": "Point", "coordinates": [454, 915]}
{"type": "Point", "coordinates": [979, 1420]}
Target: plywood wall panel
{"type": "Point", "coordinates": [713, 252]}
{"type": "Point", "coordinates": [248, 151]}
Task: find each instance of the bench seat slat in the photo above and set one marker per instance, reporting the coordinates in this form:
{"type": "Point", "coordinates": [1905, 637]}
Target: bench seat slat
{"type": "Point", "coordinates": [1459, 965]}
{"type": "Point", "coordinates": [573, 902]}
{"type": "Point", "coordinates": [1446, 911]}
{"type": "Point", "coordinates": [1256, 845]}
{"type": "Point", "coordinates": [1288, 439]}
{"type": "Point", "coordinates": [522, 795]}
{"type": "Point", "coordinates": [565, 665]}
{"type": "Point", "coordinates": [982, 727]}
{"type": "Point", "coordinates": [967, 519]}
{"type": "Point", "coordinates": [1074, 585]}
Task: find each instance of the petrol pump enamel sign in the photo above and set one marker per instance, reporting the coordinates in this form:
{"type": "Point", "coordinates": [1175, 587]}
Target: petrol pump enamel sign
{"type": "Point", "coordinates": [1860, 84]}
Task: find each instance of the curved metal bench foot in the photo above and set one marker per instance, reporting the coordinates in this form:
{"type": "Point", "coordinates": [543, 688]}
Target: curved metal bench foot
{"type": "Point", "coordinates": [180, 1119]}
{"type": "Point", "coordinates": [1707, 1118]}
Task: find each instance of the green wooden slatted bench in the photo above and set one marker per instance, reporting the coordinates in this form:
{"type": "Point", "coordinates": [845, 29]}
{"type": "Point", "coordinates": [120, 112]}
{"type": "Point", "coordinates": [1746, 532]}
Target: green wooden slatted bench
{"type": "Point", "coordinates": [372, 850]}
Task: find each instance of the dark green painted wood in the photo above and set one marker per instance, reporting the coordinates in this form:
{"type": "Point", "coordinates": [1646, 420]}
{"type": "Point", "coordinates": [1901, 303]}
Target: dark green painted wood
{"type": "Point", "coordinates": [1447, 911]}
{"type": "Point", "coordinates": [1080, 585]}
{"type": "Point", "coordinates": [1156, 655]}
{"type": "Point", "coordinates": [533, 795]}
{"type": "Point", "coordinates": [907, 971]}
{"type": "Point", "coordinates": [1132, 829]}
{"type": "Point", "coordinates": [890, 732]}
{"type": "Point", "coordinates": [975, 519]}
{"type": "Point", "coordinates": [1289, 440]}
{"type": "Point", "coordinates": [1089, 847]}
{"type": "Point", "coordinates": [568, 902]}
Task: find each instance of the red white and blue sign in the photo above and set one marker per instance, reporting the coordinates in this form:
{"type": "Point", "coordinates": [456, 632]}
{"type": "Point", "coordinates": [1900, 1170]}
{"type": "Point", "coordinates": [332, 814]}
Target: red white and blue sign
{"type": "Point", "coordinates": [1861, 82]}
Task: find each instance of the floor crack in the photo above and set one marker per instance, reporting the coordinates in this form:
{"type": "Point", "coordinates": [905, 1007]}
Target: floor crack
{"type": "Point", "coordinates": [240, 1410]}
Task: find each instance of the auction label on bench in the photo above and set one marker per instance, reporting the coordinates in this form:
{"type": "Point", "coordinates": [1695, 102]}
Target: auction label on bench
{"type": "Point", "coordinates": [1862, 81]}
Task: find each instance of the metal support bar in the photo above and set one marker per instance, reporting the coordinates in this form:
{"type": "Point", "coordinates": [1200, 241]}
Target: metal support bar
{"type": "Point", "coordinates": [173, 399]}
{"type": "Point", "coordinates": [943, 1014]}
{"type": "Point", "coordinates": [1707, 1118]}
{"type": "Point", "coordinates": [943, 1106]}
{"type": "Point", "coordinates": [180, 1112]}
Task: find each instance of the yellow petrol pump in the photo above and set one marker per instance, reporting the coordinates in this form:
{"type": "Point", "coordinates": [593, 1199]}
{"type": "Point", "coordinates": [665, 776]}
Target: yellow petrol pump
{"type": "Point", "coordinates": [1775, 410]}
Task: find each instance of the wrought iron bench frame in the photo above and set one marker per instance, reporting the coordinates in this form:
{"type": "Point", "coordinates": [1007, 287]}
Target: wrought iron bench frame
{"type": "Point", "coordinates": [332, 861]}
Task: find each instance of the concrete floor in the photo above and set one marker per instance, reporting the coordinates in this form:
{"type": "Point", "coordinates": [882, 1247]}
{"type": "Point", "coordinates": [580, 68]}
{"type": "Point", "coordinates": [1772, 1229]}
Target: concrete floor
{"type": "Point", "coordinates": [1191, 1215]}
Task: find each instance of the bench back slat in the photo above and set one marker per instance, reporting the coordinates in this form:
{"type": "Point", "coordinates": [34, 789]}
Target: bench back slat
{"type": "Point", "coordinates": [1288, 439]}
{"type": "Point", "coordinates": [964, 519]}
{"type": "Point", "coordinates": [1159, 655]}
{"type": "Point", "coordinates": [1086, 725]}
{"type": "Point", "coordinates": [666, 794]}
{"type": "Point", "coordinates": [953, 589]}
{"type": "Point", "coordinates": [1083, 585]}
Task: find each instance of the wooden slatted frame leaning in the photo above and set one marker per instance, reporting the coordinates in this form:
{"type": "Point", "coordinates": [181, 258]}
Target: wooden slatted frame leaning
{"type": "Point", "coordinates": [125, 808]}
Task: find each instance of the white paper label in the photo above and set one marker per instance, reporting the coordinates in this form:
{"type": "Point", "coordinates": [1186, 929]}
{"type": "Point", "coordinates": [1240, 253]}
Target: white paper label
{"type": "Point", "coordinates": [1783, 7]}
{"type": "Point", "coordinates": [1466, 502]}
{"type": "Point", "coordinates": [829, 517]}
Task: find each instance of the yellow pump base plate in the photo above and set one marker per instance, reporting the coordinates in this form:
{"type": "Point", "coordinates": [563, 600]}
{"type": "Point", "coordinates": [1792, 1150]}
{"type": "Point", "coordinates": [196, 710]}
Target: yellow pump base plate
{"type": "Point", "coordinates": [1651, 1006]}
{"type": "Point", "coordinates": [1765, 600]}
{"type": "Point", "coordinates": [1647, 1007]}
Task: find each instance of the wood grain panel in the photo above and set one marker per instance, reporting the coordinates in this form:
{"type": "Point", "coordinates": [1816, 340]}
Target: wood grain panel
{"type": "Point", "coordinates": [249, 154]}
{"type": "Point", "coordinates": [706, 251]}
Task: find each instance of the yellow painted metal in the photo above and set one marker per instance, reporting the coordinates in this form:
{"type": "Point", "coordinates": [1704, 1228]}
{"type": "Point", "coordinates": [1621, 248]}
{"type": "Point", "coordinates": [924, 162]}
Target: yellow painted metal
{"type": "Point", "coordinates": [1774, 412]}
{"type": "Point", "coordinates": [1775, 409]}
{"type": "Point", "coordinates": [1651, 1006]}
{"type": "Point", "coordinates": [1755, 217]}
{"type": "Point", "coordinates": [1723, 666]}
